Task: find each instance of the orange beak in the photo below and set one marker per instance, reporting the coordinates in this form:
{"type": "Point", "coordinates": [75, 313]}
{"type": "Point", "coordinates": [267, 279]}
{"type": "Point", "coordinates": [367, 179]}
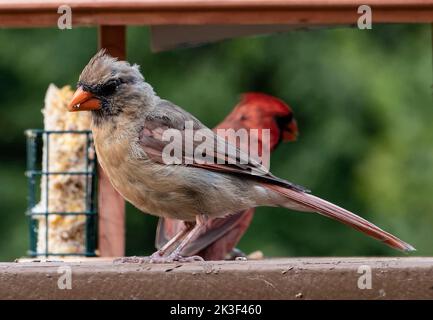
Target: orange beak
{"type": "Point", "coordinates": [83, 101]}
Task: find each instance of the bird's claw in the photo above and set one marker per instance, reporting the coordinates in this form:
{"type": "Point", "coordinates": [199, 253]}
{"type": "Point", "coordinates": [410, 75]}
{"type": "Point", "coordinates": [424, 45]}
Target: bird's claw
{"type": "Point", "coordinates": [235, 254]}
{"type": "Point", "coordinates": [157, 258]}
{"type": "Point", "coordinates": [188, 259]}
{"type": "Point", "coordinates": [133, 259]}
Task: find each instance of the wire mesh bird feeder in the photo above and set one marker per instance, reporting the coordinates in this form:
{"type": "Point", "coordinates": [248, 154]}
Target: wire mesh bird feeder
{"type": "Point", "coordinates": [61, 193]}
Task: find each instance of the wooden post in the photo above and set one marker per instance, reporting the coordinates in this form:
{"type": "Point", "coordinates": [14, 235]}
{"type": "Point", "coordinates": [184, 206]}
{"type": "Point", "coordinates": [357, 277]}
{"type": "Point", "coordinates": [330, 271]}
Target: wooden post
{"type": "Point", "coordinates": [113, 38]}
{"type": "Point", "coordinates": [111, 206]}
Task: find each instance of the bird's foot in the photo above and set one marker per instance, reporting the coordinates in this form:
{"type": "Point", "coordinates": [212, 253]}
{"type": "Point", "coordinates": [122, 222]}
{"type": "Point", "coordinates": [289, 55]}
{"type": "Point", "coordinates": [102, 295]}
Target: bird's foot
{"type": "Point", "coordinates": [173, 257]}
{"type": "Point", "coordinates": [158, 258]}
{"type": "Point", "coordinates": [235, 254]}
{"type": "Point", "coordinates": [133, 259]}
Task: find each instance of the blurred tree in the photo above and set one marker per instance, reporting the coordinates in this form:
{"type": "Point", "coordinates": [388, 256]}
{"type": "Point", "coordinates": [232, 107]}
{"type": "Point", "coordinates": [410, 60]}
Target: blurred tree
{"type": "Point", "coordinates": [362, 99]}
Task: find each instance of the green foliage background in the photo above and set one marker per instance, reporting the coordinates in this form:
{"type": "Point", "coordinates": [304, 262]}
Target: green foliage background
{"type": "Point", "coordinates": [363, 101]}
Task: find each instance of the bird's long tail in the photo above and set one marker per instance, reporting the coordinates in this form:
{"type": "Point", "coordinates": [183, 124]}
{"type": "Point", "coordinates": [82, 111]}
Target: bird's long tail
{"type": "Point", "coordinates": [312, 203]}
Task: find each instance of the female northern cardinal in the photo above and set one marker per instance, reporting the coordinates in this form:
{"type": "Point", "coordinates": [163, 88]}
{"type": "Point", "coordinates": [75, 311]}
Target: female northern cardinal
{"type": "Point", "coordinates": [254, 111]}
{"type": "Point", "coordinates": [129, 126]}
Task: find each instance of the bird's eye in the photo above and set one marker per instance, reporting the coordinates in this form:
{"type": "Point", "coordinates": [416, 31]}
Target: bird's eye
{"type": "Point", "coordinates": [108, 88]}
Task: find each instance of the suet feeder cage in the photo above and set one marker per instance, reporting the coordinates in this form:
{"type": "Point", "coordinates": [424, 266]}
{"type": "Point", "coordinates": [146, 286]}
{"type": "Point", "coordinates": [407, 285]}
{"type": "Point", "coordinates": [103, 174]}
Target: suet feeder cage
{"type": "Point", "coordinates": [58, 224]}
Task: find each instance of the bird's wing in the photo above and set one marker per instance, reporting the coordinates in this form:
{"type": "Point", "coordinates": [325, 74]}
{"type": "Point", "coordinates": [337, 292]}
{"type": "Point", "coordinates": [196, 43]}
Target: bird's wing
{"type": "Point", "coordinates": [222, 234]}
{"type": "Point", "coordinates": [220, 155]}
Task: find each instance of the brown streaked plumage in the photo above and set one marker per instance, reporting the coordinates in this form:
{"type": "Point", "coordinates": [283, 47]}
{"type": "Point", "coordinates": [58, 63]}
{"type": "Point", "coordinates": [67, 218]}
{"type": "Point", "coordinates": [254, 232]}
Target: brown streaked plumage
{"type": "Point", "coordinates": [255, 111]}
{"type": "Point", "coordinates": [128, 126]}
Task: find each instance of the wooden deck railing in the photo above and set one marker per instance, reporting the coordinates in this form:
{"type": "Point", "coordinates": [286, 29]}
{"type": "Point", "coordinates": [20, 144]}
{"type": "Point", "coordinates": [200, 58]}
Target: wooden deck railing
{"type": "Point", "coordinates": [32, 13]}
{"type": "Point", "coordinates": [296, 278]}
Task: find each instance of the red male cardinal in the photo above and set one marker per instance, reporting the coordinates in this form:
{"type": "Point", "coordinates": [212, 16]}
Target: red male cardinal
{"type": "Point", "coordinates": [255, 111]}
{"type": "Point", "coordinates": [204, 181]}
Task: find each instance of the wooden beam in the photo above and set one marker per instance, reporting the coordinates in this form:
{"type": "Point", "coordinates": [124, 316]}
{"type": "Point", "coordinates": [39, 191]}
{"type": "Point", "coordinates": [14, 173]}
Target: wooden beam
{"type": "Point", "coordinates": [111, 206]}
{"type": "Point", "coordinates": [31, 13]}
{"type": "Point", "coordinates": [168, 37]}
{"type": "Point", "coordinates": [295, 278]}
